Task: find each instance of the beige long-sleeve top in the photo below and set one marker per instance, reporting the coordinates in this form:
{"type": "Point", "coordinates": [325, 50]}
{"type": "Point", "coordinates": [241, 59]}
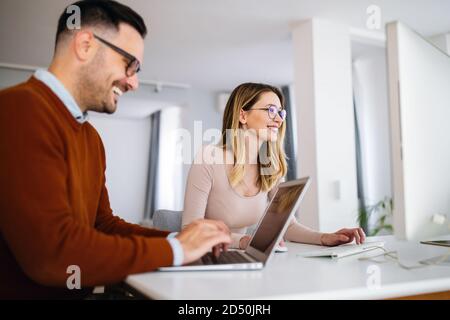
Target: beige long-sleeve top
{"type": "Point", "coordinates": [209, 195]}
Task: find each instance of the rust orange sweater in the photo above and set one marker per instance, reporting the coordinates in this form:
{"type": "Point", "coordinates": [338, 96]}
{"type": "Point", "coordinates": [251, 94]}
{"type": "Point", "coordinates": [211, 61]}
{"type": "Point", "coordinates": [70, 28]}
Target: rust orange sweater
{"type": "Point", "coordinates": [54, 207]}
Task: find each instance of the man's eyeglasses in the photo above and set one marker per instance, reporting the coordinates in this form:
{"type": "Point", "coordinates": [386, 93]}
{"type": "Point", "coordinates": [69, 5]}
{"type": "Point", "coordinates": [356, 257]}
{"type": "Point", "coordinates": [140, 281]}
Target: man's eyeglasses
{"type": "Point", "coordinates": [133, 67]}
{"type": "Point", "coordinates": [272, 111]}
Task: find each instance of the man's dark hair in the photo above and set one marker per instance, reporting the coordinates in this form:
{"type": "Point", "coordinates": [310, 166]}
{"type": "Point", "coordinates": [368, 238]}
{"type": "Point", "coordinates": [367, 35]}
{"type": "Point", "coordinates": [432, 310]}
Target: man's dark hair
{"type": "Point", "coordinates": [105, 13]}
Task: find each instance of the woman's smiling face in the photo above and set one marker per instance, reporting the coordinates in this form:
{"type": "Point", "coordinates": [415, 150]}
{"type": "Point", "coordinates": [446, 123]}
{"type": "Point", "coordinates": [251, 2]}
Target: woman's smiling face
{"type": "Point", "coordinates": [259, 117]}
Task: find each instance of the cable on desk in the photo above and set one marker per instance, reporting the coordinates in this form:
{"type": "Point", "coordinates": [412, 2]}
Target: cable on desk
{"type": "Point", "coordinates": [394, 256]}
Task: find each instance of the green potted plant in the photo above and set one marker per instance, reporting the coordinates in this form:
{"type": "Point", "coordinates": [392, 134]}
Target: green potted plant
{"type": "Point", "coordinates": [384, 208]}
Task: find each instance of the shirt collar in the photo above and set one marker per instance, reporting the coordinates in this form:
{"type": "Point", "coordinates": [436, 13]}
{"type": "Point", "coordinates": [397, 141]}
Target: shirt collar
{"type": "Point", "coordinates": [61, 92]}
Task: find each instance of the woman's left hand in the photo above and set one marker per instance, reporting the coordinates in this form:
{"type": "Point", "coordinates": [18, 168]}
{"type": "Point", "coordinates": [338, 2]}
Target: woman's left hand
{"type": "Point", "coordinates": [343, 236]}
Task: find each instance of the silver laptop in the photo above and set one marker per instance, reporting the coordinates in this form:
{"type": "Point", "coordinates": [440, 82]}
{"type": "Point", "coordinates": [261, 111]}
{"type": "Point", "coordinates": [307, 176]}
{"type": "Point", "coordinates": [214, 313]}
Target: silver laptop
{"type": "Point", "coordinates": [267, 235]}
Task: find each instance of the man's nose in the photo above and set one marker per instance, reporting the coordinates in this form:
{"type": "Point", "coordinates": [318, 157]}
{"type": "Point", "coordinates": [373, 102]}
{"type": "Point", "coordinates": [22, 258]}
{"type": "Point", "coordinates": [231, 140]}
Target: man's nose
{"type": "Point", "coordinates": [133, 82]}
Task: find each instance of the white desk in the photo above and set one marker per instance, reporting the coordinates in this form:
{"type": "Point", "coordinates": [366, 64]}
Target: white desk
{"type": "Point", "coordinates": [288, 276]}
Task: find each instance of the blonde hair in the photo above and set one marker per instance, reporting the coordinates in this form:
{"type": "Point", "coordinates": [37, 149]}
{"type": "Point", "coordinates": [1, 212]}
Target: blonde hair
{"type": "Point", "coordinates": [244, 97]}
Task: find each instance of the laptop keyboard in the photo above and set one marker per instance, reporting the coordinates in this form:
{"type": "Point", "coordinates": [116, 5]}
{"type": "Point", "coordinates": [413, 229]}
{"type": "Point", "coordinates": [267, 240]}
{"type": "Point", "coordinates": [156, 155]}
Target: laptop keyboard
{"type": "Point", "coordinates": [228, 257]}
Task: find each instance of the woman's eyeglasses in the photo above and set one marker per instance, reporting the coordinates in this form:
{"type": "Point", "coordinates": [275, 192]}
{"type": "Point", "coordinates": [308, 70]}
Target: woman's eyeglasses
{"type": "Point", "coordinates": [133, 67]}
{"type": "Point", "coordinates": [273, 111]}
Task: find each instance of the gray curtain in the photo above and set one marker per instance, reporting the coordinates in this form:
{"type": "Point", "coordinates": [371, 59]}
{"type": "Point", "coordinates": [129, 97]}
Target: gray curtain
{"type": "Point", "coordinates": [153, 164]}
{"type": "Point", "coordinates": [290, 139]}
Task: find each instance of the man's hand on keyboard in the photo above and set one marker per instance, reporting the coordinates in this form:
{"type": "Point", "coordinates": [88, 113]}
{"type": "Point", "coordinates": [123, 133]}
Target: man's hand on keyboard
{"type": "Point", "coordinates": [200, 236]}
{"type": "Point", "coordinates": [343, 236]}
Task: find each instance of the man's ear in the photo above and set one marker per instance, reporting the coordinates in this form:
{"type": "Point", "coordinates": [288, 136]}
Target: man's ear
{"type": "Point", "coordinates": [242, 117]}
{"type": "Point", "coordinates": [84, 45]}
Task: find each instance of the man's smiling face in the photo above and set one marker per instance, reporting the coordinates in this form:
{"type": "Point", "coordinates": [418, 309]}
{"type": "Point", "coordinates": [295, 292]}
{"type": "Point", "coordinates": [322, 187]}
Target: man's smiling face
{"type": "Point", "coordinates": [104, 79]}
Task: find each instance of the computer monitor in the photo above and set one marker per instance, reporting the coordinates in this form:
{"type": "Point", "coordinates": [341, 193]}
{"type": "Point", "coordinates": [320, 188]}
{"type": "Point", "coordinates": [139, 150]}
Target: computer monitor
{"type": "Point", "coordinates": [419, 99]}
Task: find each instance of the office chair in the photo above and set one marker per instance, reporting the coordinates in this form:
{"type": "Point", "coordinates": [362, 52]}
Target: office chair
{"type": "Point", "coordinates": [167, 220]}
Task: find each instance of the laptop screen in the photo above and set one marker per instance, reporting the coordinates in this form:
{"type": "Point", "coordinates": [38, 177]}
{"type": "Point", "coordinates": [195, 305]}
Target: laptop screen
{"type": "Point", "coordinates": [275, 218]}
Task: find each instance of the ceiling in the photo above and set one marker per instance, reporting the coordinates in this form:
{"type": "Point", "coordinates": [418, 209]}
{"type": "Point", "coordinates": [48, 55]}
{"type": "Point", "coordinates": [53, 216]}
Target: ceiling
{"type": "Point", "coordinates": [212, 44]}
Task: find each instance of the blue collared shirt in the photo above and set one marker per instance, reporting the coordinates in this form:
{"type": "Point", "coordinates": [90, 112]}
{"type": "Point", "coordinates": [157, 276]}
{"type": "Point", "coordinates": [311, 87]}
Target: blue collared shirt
{"type": "Point", "coordinates": [61, 92]}
{"type": "Point", "coordinates": [178, 254]}
{"type": "Point", "coordinates": [68, 100]}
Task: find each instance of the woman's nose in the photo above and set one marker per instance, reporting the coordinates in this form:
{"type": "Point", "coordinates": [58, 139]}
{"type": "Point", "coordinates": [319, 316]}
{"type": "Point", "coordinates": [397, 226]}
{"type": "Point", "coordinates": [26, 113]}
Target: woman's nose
{"type": "Point", "coordinates": [278, 118]}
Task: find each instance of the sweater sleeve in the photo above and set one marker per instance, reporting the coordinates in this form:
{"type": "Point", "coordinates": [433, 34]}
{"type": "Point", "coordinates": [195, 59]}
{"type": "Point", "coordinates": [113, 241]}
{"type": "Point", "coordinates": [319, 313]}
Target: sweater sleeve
{"type": "Point", "coordinates": [38, 223]}
{"type": "Point", "coordinates": [297, 232]}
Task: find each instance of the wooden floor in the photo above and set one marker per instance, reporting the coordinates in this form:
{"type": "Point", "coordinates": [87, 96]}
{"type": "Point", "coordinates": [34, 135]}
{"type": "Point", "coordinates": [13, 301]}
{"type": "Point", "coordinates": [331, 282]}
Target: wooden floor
{"type": "Point", "coordinates": [430, 296]}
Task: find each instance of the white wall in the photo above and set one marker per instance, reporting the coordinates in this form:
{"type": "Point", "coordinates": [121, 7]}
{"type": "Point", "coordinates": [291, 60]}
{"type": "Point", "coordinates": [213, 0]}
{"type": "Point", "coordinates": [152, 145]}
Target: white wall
{"type": "Point", "coordinates": [126, 137]}
{"type": "Point", "coordinates": [10, 77]}
{"type": "Point", "coordinates": [201, 109]}
{"type": "Point", "coordinates": [442, 41]}
{"type": "Point", "coordinates": [196, 105]}
{"type": "Point", "coordinates": [371, 99]}
{"type": "Point", "coordinates": [127, 143]}
{"type": "Point", "coordinates": [323, 91]}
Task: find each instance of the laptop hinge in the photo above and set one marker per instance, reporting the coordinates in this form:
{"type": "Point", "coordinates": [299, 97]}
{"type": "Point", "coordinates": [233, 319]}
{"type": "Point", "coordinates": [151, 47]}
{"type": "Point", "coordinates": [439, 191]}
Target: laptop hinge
{"type": "Point", "coordinates": [251, 257]}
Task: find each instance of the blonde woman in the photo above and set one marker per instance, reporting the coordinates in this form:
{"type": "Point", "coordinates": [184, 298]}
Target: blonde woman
{"type": "Point", "coordinates": [233, 181]}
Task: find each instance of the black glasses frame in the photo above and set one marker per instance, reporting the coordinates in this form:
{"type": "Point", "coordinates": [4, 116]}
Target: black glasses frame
{"type": "Point", "coordinates": [133, 67]}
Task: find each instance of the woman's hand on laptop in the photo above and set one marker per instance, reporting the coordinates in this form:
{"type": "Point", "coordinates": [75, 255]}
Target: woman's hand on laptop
{"type": "Point", "coordinates": [200, 236]}
{"type": "Point", "coordinates": [244, 241]}
{"type": "Point", "coordinates": [343, 236]}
